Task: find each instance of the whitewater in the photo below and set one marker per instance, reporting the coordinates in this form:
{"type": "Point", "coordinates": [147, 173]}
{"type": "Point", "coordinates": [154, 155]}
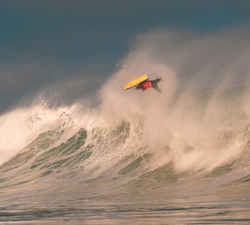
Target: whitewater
{"type": "Point", "coordinates": [180, 157]}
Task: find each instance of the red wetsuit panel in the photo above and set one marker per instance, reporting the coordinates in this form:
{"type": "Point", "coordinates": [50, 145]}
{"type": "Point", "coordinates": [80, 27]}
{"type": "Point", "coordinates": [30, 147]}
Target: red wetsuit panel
{"type": "Point", "coordinates": [146, 84]}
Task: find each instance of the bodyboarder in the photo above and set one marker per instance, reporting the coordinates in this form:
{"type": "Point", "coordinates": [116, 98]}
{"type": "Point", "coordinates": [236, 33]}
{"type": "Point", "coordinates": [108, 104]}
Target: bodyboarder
{"type": "Point", "coordinates": [149, 84]}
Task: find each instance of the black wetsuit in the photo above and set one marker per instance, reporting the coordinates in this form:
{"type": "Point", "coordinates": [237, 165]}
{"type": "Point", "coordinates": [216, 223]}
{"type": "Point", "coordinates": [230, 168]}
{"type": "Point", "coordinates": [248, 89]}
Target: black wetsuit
{"type": "Point", "coordinates": [154, 84]}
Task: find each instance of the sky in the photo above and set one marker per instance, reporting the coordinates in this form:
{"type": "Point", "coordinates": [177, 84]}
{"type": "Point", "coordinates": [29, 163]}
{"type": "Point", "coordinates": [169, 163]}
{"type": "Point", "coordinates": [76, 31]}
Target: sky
{"type": "Point", "coordinates": [74, 45]}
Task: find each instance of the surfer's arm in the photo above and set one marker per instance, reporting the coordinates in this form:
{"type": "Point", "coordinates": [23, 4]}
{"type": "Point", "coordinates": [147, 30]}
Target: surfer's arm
{"type": "Point", "coordinates": [140, 87]}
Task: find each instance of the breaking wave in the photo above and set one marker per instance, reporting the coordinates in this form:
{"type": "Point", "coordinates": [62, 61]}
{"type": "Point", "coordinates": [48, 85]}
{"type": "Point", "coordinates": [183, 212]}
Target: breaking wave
{"type": "Point", "coordinates": [133, 141]}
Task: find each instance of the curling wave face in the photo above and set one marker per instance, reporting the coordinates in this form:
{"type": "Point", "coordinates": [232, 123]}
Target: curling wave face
{"type": "Point", "coordinates": [193, 136]}
{"type": "Point", "coordinates": [74, 148]}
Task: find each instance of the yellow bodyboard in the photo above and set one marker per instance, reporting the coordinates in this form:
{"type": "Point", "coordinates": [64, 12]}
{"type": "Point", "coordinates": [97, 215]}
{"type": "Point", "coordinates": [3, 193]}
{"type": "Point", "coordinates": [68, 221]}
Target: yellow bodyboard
{"type": "Point", "coordinates": [136, 81]}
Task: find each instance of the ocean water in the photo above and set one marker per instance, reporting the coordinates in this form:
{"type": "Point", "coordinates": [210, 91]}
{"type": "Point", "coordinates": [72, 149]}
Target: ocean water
{"type": "Point", "coordinates": [180, 157]}
{"type": "Point", "coordinates": [69, 165]}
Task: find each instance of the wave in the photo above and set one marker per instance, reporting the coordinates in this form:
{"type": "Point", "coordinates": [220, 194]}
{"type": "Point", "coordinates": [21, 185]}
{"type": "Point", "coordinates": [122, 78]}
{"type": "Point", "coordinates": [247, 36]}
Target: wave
{"type": "Point", "coordinates": [68, 146]}
{"type": "Point", "coordinates": [134, 141]}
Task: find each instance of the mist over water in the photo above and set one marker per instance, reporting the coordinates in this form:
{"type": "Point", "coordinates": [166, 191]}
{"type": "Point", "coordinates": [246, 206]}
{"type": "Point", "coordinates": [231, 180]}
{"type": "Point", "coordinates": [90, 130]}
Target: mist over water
{"type": "Point", "coordinates": [155, 150]}
{"type": "Point", "coordinates": [205, 94]}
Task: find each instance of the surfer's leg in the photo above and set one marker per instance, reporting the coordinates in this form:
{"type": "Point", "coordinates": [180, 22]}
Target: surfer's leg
{"type": "Point", "coordinates": [157, 80]}
{"type": "Point", "coordinates": [157, 88]}
{"type": "Point", "coordinates": [154, 84]}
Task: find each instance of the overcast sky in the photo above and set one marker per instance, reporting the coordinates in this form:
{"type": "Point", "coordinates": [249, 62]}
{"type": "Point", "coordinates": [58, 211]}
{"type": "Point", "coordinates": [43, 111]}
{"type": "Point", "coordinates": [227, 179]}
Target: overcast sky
{"type": "Point", "coordinates": [78, 42]}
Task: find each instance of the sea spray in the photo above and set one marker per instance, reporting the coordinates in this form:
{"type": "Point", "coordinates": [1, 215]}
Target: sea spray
{"type": "Point", "coordinates": [132, 140]}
